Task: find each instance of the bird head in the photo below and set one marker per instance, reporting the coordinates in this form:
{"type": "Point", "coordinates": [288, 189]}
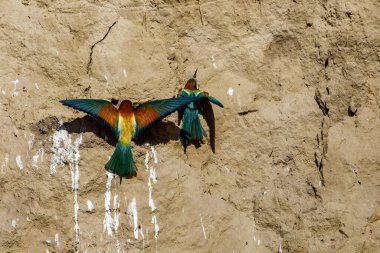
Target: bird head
{"type": "Point", "coordinates": [192, 83]}
{"type": "Point", "coordinates": [126, 106]}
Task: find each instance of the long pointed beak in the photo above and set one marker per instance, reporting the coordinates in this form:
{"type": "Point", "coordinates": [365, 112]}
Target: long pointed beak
{"type": "Point", "coordinates": [195, 73]}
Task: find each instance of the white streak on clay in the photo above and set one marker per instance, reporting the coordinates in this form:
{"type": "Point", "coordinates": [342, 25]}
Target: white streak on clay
{"type": "Point", "coordinates": [230, 92]}
{"type": "Point", "coordinates": [132, 213]}
{"type": "Point", "coordinates": [62, 148]}
{"type": "Point", "coordinates": [280, 249]}
{"type": "Point", "coordinates": [74, 168]}
{"type": "Point", "coordinates": [203, 229]}
{"type": "Point", "coordinates": [14, 224]}
{"type": "Point", "coordinates": [155, 157]}
{"type": "Point", "coordinates": [141, 231]}
{"type": "Point", "coordinates": [107, 223]}
{"type": "Point", "coordinates": [90, 206]}
{"type": "Point", "coordinates": [147, 161]}
{"type": "Point", "coordinates": [106, 80]}
{"type": "Point", "coordinates": [36, 85]}
{"type": "Point", "coordinates": [38, 156]}
{"type": "Point", "coordinates": [118, 248]}
{"type": "Point", "coordinates": [15, 93]}
{"type": "Point", "coordinates": [4, 167]}
{"type": "Point", "coordinates": [151, 202]}
{"type": "Point", "coordinates": [31, 141]}
{"type": "Point", "coordinates": [152, 175]}
{"type": "Point", "coordinates": [116, 216]}
{"type": "Point", "coordinates": [56, 239]}
{"type": "Point", "coordinates": [125, 73]}
{"type": "Point", "coordinates": [156, 227]}
{"type": "Point", "coordinates": [19, 162]}
{"type": "Point", "coordinates": [65, 151]}
{"type": "Point", "coordinates": [213, 62]}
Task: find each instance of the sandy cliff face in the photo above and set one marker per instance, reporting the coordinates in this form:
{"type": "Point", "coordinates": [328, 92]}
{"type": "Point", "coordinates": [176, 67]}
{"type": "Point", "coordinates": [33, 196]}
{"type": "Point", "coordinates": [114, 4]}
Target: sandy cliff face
{"type": "Point", "coordinates": [297, 159]}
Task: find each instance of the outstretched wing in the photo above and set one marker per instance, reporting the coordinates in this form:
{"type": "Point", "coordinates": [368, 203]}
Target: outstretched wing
{"type": "Point", "coordinates": [151, 112]}
{"type": "Point", "coordinates": [101, 110]}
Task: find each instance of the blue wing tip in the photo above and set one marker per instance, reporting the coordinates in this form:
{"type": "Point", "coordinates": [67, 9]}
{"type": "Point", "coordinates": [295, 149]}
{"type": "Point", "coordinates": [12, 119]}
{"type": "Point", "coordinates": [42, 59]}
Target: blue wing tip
{"type": "Point", "coordinates": [216, 101]}
{"type": "Point", "coordinates": [67, 102]}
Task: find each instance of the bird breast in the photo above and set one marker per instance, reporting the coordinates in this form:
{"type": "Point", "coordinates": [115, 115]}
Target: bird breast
{"type": "Point", "coordinates": [126, 127]}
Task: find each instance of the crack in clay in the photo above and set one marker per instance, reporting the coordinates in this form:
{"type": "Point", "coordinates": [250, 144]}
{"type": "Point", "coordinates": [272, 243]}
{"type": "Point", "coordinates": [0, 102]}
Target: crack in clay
{"type": "Point", "coordinates": [93, 45]}
{"type": "Point", "coordinates": [247, 112]}
{"type": "Point", "coordinates": [200, 11]}
{"type": "Point", "coordinates": [322, 138]}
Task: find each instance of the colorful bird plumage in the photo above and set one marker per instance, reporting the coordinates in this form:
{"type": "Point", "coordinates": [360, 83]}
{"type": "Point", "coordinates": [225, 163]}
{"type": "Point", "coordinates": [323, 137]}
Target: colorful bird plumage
{"type": "Point", "coordinates": [192, 129]}
{"type": "Point", "coordinates": [127, 123]}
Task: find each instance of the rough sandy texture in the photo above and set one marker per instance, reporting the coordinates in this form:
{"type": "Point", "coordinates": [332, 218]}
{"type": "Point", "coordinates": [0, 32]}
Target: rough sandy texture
{"type": "Point", "coordinates": [297, 163]}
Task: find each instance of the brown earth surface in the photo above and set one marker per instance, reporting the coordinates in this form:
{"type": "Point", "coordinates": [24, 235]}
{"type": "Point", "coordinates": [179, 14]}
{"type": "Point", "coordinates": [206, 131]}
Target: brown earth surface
{"type": "Point", "coordinates": [297, 162]}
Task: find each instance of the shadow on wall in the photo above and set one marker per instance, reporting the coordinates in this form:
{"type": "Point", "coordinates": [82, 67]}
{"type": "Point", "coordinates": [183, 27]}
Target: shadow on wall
{"type": "Point", "coordinates": [89, 124]}
{"type": "Point", "coordinates": [162, 133]}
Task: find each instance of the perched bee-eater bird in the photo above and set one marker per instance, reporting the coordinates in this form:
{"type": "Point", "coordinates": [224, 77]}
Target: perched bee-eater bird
{"type": "Point", "coordinates": [127, 123]}
{"type": "Point", "coordinates": [192, 129]}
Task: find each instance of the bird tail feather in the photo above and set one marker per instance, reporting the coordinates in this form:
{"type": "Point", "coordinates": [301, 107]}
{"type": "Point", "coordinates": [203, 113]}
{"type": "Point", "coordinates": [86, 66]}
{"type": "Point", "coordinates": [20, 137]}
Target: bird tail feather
{"type": "Point", "coordinates": [121, 162]}
{"type": "Point", "coordinates": [192, 129]}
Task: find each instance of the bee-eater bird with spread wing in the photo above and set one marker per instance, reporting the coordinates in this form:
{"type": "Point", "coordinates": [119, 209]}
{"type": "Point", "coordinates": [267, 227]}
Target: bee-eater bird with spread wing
{"type": "Point", "coordinates": [127, 123]}
{"type": "Point", "coordinates": [192, 129]}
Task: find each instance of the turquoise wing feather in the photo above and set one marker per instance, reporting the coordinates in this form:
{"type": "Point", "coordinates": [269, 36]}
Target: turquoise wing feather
{"type": "Point", "coordinates": [149, 113]}
{"type": "Point", "coordinates": [102, 110]}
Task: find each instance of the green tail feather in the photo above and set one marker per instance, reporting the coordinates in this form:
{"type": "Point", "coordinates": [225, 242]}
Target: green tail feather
{"type": "Point", "coordinates": [191, 127]}
{"type": "Point", "coordinates": [121, 162]}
